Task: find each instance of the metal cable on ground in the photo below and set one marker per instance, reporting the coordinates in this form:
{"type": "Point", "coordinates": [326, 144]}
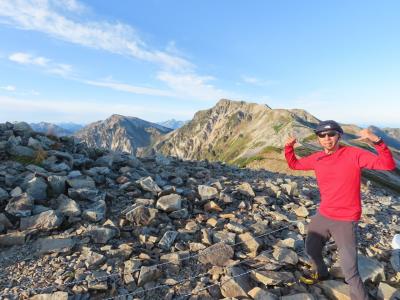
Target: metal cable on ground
{"type": "Point", "coordinates": [158, 287]}
{"type": "Point", "coordinates": [115, 274]}
{"type": "Point", "coordinates": [194, 277]}
{"type": "Point", "coordinates": [170, 286]}
{"type": "Point", "coordinates": [233, 277]}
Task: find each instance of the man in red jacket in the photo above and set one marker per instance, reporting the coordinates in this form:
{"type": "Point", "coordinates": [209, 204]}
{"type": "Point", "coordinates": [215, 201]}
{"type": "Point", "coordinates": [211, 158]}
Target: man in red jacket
{"type": "Point", "coordinates": [338, 172]}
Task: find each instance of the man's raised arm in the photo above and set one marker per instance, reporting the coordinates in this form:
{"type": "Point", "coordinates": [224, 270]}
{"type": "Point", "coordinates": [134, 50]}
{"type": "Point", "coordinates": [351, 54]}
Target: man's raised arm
{"type": "Point", "coordinates": [305, 163]}
{"type": "Point", "coordinates": [383, 161]}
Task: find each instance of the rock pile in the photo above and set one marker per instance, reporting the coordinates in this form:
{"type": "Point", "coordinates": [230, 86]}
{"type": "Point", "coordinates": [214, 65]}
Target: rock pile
{"type": "Point", "coordinates": [80, 223]}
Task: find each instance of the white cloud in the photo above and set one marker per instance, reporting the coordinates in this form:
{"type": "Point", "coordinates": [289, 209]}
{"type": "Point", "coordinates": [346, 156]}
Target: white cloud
{"type": "Point", "coordinates": [116, 38]}
{"type": "Point", "coordinates": [130, 88]}
{"type": "Point", "coordinates": [26, 58]}
{"type": "Point", "coordinates": [46, 64]}
{"type": "Point", "coordinates": [180, 85]}
{"type": "Point", "coordinates": [21, 58]}
{"type": "Point", "coordinates": [46, 16]}
{"type": "Point", "coordinates": [258, 81]}
{"type": "Point", "coordinates": [70, 5]}
{"type": "Point", "coordinates": [60, 69]}
{"type": "Point", "coordinates": [8, 88]}
{"type": "Point", "coordinates": [193, 86]}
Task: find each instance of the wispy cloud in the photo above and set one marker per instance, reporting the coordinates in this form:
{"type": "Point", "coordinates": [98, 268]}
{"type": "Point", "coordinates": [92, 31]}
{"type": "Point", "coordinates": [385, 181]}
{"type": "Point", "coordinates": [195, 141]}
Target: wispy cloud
{"type": "Point", "coordinates": [183, 85]}
{"type": "Point", "coordinates": [70, 5]}
{"type": "Point", "coordinates": [123, 87]}
{"type": "Point", "coordinates": [117, 38]}
{"type": "Point", "coordinates": [48, 16]}
{"type": "Point", "coordinates": [258, 81]}
{"type": "Point", "coordinates": [193, 86]}
{"type": "Point", "coordinates": [9, 88]}
{"type": "Point", "coordinates": [45, 63]}
{"type": "Point", "coordinates": [19, 92]}
{"type": "Point", "coordinates": [25, 58]}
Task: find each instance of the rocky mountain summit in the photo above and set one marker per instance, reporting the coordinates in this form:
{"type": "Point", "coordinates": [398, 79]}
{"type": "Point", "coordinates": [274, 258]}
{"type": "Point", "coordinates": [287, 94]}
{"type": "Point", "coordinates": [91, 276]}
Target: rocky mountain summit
{"type": "Point", "coordinates": [239, 132]}
{"type": "Point", "coordinates": [88, 223]}
{"type": "Point", "coordinates": [232, 131]}
{"type": "Point", "coordinates": [121, 133]}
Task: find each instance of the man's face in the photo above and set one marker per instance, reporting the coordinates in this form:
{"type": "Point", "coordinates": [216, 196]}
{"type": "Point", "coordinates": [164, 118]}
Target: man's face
{"type": "Point", "coordinates": [328, 139]}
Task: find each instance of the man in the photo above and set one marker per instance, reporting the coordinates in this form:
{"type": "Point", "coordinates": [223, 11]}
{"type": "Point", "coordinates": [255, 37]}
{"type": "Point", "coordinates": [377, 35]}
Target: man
{"type": "Point", "coordinates": [338, 172]}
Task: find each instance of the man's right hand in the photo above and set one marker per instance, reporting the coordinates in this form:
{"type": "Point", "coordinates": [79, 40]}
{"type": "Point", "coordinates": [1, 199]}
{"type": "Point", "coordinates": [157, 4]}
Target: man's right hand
{"type": "Point", "coordinates": [291, 141]}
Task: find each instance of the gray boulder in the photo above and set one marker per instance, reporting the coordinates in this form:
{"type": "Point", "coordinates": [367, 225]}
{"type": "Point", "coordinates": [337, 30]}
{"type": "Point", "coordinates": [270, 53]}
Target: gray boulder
{"type": "Point", "coordinates": [53, 296]}
{"type": "Point", "coordinates": [232, 286]}
{"type": "Point", "coordinates": [3, 195]}
{"type": "Point", "coordinates": [217, 255]}
{"type": "Point", "coordinates": [92, 259]}
{"type": "Point", "coordinates": [4, 221]}
{"type": "Point", "coordinates": [385, 291]}
{"type": "Point", "coordinates": [60, 167]}
{"type": "Point", "coordinates": [370, 269]}
{"type": "Point", "coordinates": [272, 277]}
{"type": "Point", "coordinates": [167, 240]}
{"type": "Point", "coordinates": [207, 192]}
{"type": "Point", "coordinates": [224, 236]}
{"type": "Point", "coordinates": [54, 245]}
{"type": "Point", "coordinates": [15, 192]}
{"type": "Point", "coordinates": [57, 184]}
{"type": "Point", "coordinates": [21, 151]}
{"type": "Point", "coordinates": [148, 274]}
{"type": "Point", "coordinates": [260, 294]}
{"type": "Point", "coordinates": [335, 289]}
{"type": "Point", "coordinates": [13, 238]}
{"type": "Point", "coordinates": [246, 189]}
{"type": "Point", "coordinates": [149, 185]}
{"type": "Point", "coordinates": [96, 212]}
{"type": "Point", "coordinates": [141, 215]}
{"type": "Point", "coordinates": [45, 221]}
{"type": "Point", "coordinates": [81, 182]}
{"type": "Point", "coordinates": [395, 260]}
{"type": "Point", "coordinates": [90, 194]}
{"type": "Point", "coordinates": [285, 256]}
{"type": "Point", "coordinates": [20, 206]}
{"type": "Point", "coordinates": [102, 234]}
{"type": "Point", "coordinates": [169, 203]}
{"type": "Point", "coordinates": [67, 206]}
{"type": "Point", "coordinates": [37, 188]}
{"type": "Point", "coordinates": [22, 129]}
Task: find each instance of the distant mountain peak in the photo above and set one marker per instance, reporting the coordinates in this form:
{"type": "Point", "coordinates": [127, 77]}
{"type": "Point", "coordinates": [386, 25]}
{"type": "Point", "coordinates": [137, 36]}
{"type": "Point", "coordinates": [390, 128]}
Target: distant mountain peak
{"type": "Point", "coordinates": [121, 133]}
{"type": "Point", "coordinates": [172, 123]}
{"type": "Point", "coordinates": [53, 129]}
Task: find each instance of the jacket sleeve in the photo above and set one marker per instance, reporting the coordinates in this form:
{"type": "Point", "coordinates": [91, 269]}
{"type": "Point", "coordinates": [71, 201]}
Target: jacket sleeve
{"type": "Point", "coordinates": [383, 161]}
{"type": "Point", "coordinates": [304, 163]}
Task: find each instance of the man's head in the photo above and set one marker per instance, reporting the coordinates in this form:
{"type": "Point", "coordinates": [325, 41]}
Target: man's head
{"type": "Point", "coordinates": [329, 133]}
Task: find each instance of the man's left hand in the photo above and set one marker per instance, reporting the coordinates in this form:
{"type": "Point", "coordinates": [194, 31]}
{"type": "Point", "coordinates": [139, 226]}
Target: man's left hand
{"type": "Point", "coordinates": [366, 135]}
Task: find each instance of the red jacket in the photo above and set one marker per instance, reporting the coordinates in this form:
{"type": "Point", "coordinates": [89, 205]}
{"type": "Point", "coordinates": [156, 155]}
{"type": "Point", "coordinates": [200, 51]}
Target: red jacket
{"type": "Point", "coordinates": [339, 176]}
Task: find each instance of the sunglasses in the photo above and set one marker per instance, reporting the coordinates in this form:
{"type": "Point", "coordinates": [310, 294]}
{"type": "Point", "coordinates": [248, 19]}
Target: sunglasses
{"type": "Point", "coordinates": [329, 133]}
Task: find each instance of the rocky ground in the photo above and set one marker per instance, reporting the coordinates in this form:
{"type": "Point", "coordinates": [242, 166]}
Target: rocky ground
{"type": "Point", "coordinates": [80, 223]}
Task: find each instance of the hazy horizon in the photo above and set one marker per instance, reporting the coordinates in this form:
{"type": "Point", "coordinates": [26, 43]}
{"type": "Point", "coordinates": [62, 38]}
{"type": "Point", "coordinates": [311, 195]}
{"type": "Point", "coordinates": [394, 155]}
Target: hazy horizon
{"type": "Point", "coordinates": [381, 125]}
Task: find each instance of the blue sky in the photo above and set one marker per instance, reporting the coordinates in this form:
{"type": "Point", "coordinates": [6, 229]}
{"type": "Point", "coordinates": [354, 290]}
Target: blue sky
{"type": "Point", "coordinates": [82, 61]}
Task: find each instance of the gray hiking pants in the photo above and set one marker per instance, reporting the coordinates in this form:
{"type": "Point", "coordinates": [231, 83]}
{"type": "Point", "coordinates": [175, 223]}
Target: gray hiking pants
{"type": "Point", "coordinates": [344, 234]}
